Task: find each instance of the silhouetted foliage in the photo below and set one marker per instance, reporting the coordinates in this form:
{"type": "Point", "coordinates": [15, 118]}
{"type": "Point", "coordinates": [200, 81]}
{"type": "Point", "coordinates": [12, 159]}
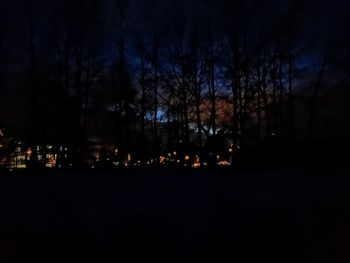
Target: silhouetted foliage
{"type": "Point", "coordinates": [148, 77]}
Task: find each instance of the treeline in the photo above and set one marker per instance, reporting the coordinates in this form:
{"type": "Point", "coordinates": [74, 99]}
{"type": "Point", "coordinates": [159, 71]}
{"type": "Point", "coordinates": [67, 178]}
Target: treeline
{"type": "Point", "coordinates": [148, 76]}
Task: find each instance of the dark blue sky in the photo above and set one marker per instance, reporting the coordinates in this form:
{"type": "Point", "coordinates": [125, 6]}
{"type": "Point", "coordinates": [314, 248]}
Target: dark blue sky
{"type": "Point", "coordinates": [315, 23]}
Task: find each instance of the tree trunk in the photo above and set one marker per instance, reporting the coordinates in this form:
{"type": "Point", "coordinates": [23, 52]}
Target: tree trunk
{"type": "Point", "coordinates": [290, 96]}
{"type": "Point", "coordinates": [143, 104]}
{"type": "Point", "coordinates": [212, 88]}
{"type": "Point", "coordinates": [155, 105]}
{"type": "Point", "coordinates": [313, 98]}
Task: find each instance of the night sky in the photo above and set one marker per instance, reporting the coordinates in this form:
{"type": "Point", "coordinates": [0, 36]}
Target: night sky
{"type": "Point", "coordinates": [315, 25]}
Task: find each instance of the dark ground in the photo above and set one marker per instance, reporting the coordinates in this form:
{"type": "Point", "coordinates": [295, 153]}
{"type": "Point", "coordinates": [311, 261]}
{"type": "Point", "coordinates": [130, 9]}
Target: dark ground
{"type": "Point", "coordinates": [176, 216]}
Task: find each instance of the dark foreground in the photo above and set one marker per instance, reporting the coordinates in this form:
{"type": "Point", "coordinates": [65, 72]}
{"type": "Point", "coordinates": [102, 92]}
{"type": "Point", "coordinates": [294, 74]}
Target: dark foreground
{"type": "Point", "coordinates": [176, 216]}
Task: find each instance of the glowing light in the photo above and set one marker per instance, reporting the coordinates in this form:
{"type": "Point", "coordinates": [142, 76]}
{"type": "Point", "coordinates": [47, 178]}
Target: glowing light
{"type": "Point", "coordinates": [175, 153]}
{"type": "Point", "coordinates": [187, 157]}
{"type": "Point", "coordinates": [29, 152]}
{"type": "Point", "coordinates": [162, 159]}
{"type": "Point", "coordinates": [230, 150]}
{"type": "Point", "coordinates": [196, 165]}
{"type": "Point", "coordinates": [51, 160]}
{"type": "Point", "coordinates": [197, 158]}
{"type": "Point", "coordinates": [1, 145]}
{"type": "Point", "coordinates": [224, 163]}
{"type": "Point", "coordinates": [50, 164]}
{"type": "Point", "coordinates": [218, 157]}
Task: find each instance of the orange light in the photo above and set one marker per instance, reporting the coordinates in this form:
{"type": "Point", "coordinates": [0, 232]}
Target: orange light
{"type": "Point", "coordinates": [196, 165]}
{"type": "Point", "coordinates": [51, 163]}
{"type": "Point", "coordinates": [29, 152]}
{"type": "Point", "coordinates": [162, 159]}
{"type": "Point", "coordinates": [224, 163]}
